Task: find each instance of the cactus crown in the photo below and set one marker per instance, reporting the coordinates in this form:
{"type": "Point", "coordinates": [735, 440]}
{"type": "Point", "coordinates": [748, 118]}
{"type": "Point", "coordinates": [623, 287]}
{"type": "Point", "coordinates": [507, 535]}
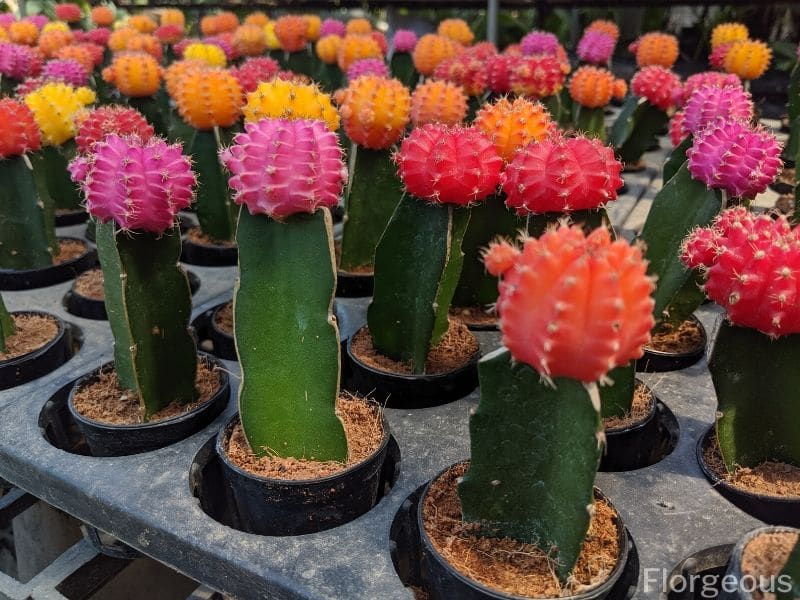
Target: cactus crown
{"type": "Point", "coordinates": [456, 30]}
{"type": "Point", "coordinates": [748, 59]}
{"type": "Point", "coordinates": [512, 125]}
{"type": "Point", "coordinates": [445, 164]}
{"type": "Point", "coordinates": [253, 71]}
{"type": "Point", "coordinates": [656, 48]}
{"type": "Point", "coordinates": [591, 87]}
{"type": "Point", "coordinates": [727, 33]}
{"type": "Point", "coordinates": [562, 174]}
{"type": "Point", "coordinates": [249, 40]}
{"type": "Point", "coordinates": [209, 98]}
{"type": "Point", "coordinates": [538, 76]}
{"type": "Point", "coordinates": [608, 27]}
{"type": "Point", "coordinates": [404, 40]}
{"type": "Point", "coordinates": [751, 265]}
{"type": "Point", "coordinates": [281, 167]}
{"type": "Point", "coordinates": [105, 120]}
{"type": "Point", "coordinates": [51, 41]}
{"type": "Point", "coordinates": [172, 16]}
{"type": "Point", "coordinates": [356, 47]}
{"type": "Point", "coordinates": [18, 62]}
{"type": "Point", "coordinates": [540, 42]}
{"type": "Point", "coordinates": [596, 47]}
{"type": "Point", "coordinates": [332, 27]}
{"type": "Point", "coordinates": [18, 130]}
{"type": "Point", "coordinates": [431, 49]}
{"type": "Point", "coordinates": [367, 66]}
{"type": "Point", "coordinates": [56, 107]}
{"type": "Point", "coordinates": [566, 295]}
{"type": "Point", "coordinates": [709, 102]}
{"type": "Point", "coordinates": [169, 34]}
{"type": "Point", "coordinates": [375, 111]}
{"type": "Point", "coordinates": [327, 48]}
{"type": "Point", "coordinates": [358, 26]}
{"type": "Point", "coordinates": [466, 70]}
{"type": "Point", "coordinates": [699, 80]}
{"type": "Point", "coordinates": [438, 102]}
{"type": "Point", "coordinates": [292, 32]}
{"type": "Point", "coordinates": [102, 16]}
{"type": "Point", "coordinates": [498, 72]}
{"type": "Point", "coordinates": [210, 54]}
{"type": "Point", "coordinates": [23, 32]}
{"type": "Point", "coordinates": [86, 54]}
{"type": "Point", "coordinates": [139, 185]}
{"type": "Point", "coordinates": [736, 157]}
{"type": "Point", "coordinates": [67, 71]}
{"type": "Point", "coordinates": [68, 12]}
{"type": "Point", "coordinates": [658, 85]}
{"type": "Point", "coordinates": [285, 99]}
{"type": "Point", "coordinates": [136, 75]}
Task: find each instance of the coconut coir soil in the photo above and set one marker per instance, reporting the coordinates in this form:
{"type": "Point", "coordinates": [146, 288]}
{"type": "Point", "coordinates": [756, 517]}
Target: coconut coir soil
{"type": "Point", "coordinates": [687, 337]}
{"type": "Point", "coordinates": [507, 565]}
{"type": "Point", "coordinates": [474, 315]}
{"type": "Point", "coordinates": [223, 318]}
{"type": "Point", "coordinates": [104, 401]}
{"type": "Point", "coordinates": [457, 347]}
{"type": "Point", "coordinates": [643, 400]}
{"type": "Point", "coordinates": [69, 250]}
{"type": "Point", "coordinates": [769, 478]}
{"type": "Point", "coordinates": [89, 284]}
{"type": "Point", "coordinates": [195, 235]}
{"type": "Point", "coordinates": [32, 332]}
{"type": "Point", "coordinates": [363, 427]}
{"type": "Point", "coordinates": [765, 557]}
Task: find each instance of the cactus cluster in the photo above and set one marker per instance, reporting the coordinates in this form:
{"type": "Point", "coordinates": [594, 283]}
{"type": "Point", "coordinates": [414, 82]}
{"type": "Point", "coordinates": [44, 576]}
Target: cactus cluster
{"type": "Point", "coordinates": [749, 59]}
{"type": "Point", "coordinates": [105, 120]}
{"type": "Point", "coordinates": [438, 102]}
{"type": "Point", "coordinates": [136, 75]}
{"type": "Point", "coordinates": [547, 314]}
{"type": "Point", "coordinates": [513, 125]}
{"type": "Point", "coordinates": [285, 99]}
{"type": "Point", "coordinates": [656, 49]}
{"type": "Point", "coordinates": [592, 87]}
{"type": "Point", "coordinates": [56, 108]}
{"type": "Point", "coordinates": [709, 103]}
{"type": "Point", "coordinates": [596, 47]}
{"type": "Point", "coordinates": [431, 50]}
{"type": "Point", "coordinates": [18, 130]}
{"type": "Point", "coordinates": [733, 156]}
{"type": "Point", "coordinates": [375, 111]}
{"type": "Point", "coordinates": [209, 98]}
{"type": "Point", "coordinates": [658, 85]}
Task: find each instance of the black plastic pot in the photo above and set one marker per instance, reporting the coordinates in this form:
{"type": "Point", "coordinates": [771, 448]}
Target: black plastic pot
{"type": "Point", "coordinates": [772, 510]}
{"type": "Point", "coordinates": [643, 444]}
{"type": "Point", "coordinates": [22, 369]}
{"type": "Point", "coordinates": [655, 361]}
{"type": "Point", "coordinates": [124, 440]}
{"type": "Point", "coordinates": [738, 585]}
{"type": "Point", "coordinates": [91, 308]}
{"type": "Point", "coordinates": [442, 582]}
{"type": "Point", "coordinates": [72, 217]}
{"type": "Point", "coordinates": [354, 285]}
{"type": "Point", "coordinates": [208, 255]}
{"type": "Point", "coordinates": [284, 507]}
{"type": "Point", "coordinates": [12, 279]}
{"type": "Point", "coordinates": [456, 312]}
{"type": "Point", "coordinates": [410, 391]}
{"type": "Point", "coordinates": [699, 576]}
{"type": "Point", "coordinates": [224, 344]}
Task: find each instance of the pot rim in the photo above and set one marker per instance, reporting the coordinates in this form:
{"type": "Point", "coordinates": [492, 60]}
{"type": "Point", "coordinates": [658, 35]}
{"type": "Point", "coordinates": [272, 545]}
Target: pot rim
{"type": "Point", "coordinates": [698, 351]}
{"type": "Point", "coordinates": [34, 354]}
{"type": "Point", "coordinates": [87, 250]}
{"type": "Point", "coordinates": [645, 421]}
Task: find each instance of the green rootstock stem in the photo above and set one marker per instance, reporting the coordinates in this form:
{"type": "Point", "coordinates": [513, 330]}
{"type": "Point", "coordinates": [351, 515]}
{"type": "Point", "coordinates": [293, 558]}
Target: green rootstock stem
{"type": "Point", "coordinates": [27, 230]}
{"type": "Point", "coordinates": [402, 68]}
{"type": "Point", "coordinates": [636, 129]}
{"type": "Point", "coordinates": [51, 163]}
{"type": "Point", "coordinates": [587, 219]}
{"type": "Point", "coordinates": [148, 302]}
{"type": "Point", "coordinates": [302, 62]}
{"type": "Point", "coordinates": [792, 572]}
{"type": "Point", "coordinates": [617, 398]}
{"type": "Point", "coordinates": [372, 197]}
{"type": "Point", "coordinates": [535, 450]}
{"type": "Point", "coordinates": [216, 213]}
{"type": "Point", "coordinates": [329, 77]}
{"type": "Point", "coordinates": [155, 109]}
{"type": "Point", "coordinates": [286, 336]}
{"type": "Point", "coordinates": [756, 380]}
{"type": "Point", "coordinates": [6, 325]}
{"type": "Point", "coordinates": [417, 265]}
{"type": "Point", "coordinates": [560, 108]}
{"type": "Point", "coordinates": [676, 158]}
{"type": "Point", "coordinates": [488, 221]}
{"type": "Point", "coordinates": [590, 121]}
{"type": "Point", "coordinates": [680, 206]}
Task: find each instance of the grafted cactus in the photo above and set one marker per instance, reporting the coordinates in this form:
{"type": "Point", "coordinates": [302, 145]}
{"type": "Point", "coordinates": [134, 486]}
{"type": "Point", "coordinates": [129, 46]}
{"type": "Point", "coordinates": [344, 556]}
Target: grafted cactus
{"type": "Point", "coordinates": [286, 174]}
{"type": "Point", "coordinates": [432, 49]}
{"type": "Point", "coordinates": [591, 89]}
{"type": "Point", "coordinates": [402, 64]}
{"type": "Point", "coordinates": [749, 59]}
{"type": "Point", "coordinates": [286, 99]}
{"type": "Point", "coordinates": [526, 479]}
{"type": "Point", "coordinates": [137, 75]}
{"type": "Point", "coordinates": [656, 49]}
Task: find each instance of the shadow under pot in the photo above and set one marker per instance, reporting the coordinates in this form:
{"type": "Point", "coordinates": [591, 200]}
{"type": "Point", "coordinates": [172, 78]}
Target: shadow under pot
{"type": "Point", "coordinates": [110, 418]}
{"type": "Point", "coordinates": [76, 256]}
{"type": "Point", "coordinates": [86, 297]}
{"type": "Point", "coordinates": [443, 580]}
{"type": "Point", "coordinates": [756, 563]}
{"type": "Point", "coordinates": [264, 504]}
{"type": "Point", "coordinates": [451, 372]}
{"type": "Point", "coordinates": [199, 249]}
{"type": "Point", "coordinates": [41, 344]}
{"type": "Point", "coordinates": [648, 436]}
{"type": "Point", "coordinates": [769, 501]}
{"type": "Point", "coordinates": [672, 349]}
{"type": "Point", "coordinates": [66, 218]}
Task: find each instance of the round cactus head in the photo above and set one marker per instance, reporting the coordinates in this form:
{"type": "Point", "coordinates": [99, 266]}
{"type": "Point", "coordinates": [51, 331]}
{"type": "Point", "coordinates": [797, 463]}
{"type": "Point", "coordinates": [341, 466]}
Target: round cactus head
{"type": "Point", "coordinates": [102, 16]}
{"type": "Point", "coordinates": [733, 156]}
{"type": "Point", "coordinates": [709, 103]}
{"type": "Point", "coordinates": [404, 40]}
{"type": "Point", "coordinates": [249, 40]}
{"type": "Point", "coordinates": [136, 75]}
{"type": "Point", "coordinates": [67, 71]}
{"type": "Point", "coordinates": [105, 120]}
{"type": "Point", "coordinates": [572, 305]}
{"type": "Point", "coordinates": [86, 54]}
{"type": "Point", "coordinates": [356, 47]}
{"type": "Point", "coordinates": [292, 32]}
{"type": "Point", "coordinates": [562, 174]}
{"type": "Point", "coordinates": [656, 48]}
{"type": "Point", "coordinates": [465, 70]}
{"type": "Point", "coordinates": [254, 70]}
{"type": "Point", "coordinates": [51, 41]}
{"type": "Point", "coordinates": [620, 89]}
{"type": "Point", "coordinates": [699, 80]}
{"type": "Point", "coordinates": [375, 111]}
{"type": "Point", "coordinates": [332, 27]}
{"type": "Point", "coordinates": [676, 132]}
{"type": "Point", "coordinates": [431, 49]}
{"type": "Point", "coordinates": [498, 72]}
{"type": "Point", "coordinates": [358, 26]}
{"type": "Point", "coordinates": [289, 100]}
{"type": "Point", "coordinates": [538, 76]}
{"type": "Point", "coordinates": [211, 54]}
{"type": "Point", "coordinates": [142, 23]}
{"type": "Point", "coordinates": [448, 164]}
{"type": "Point", "coordinates": [657, 85]}
{"type": "Point", "coordinates": [367, 66]}
{"type": "Point", "coordinates": [18, 130]}
{"type": "Point", "coordinates": [604, 26]}
{"type": "Point", "coordinates": [727, 33]}
{"type": "Point", "coordinates": [56, 108]}
{"type": "Point", "coordinates": [512, 125]}
{"type": "Point", "coordinates": [749, 59]}
{"type": "Point", "coordinates": [456, 30]}
{"type": "Point", "coordinates": [23, 32]}
{"type": "Point", "coordinates": [139, 185]}
{"type": "Point", "coordinates": [540, 42]}
{"type": "Point", "coordinates": [592, 87]}
{"type": "Point", "coordinates": [327, 48]}
{"type": "Point", "coordinates": [209, 98]}
{"type": "Point", "coordinates": [281, 167]}
{"type": "Point", "coordinates": [436, 101]}
{"type": "Point", "coordinates": [68, 12]}
{"type": "Point", "coordinates": [18, 62]}
{"type": "Point", "coordinates": [751, 265]}
{"type": "Point", "coordinates": [313, 27]}
{"type": "Point", "coordinates": [596, 47]}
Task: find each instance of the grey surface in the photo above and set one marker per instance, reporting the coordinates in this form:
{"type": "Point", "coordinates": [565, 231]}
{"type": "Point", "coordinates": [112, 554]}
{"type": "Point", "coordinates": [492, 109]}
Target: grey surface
{"type": "Point", "coordinates": [146, 502]}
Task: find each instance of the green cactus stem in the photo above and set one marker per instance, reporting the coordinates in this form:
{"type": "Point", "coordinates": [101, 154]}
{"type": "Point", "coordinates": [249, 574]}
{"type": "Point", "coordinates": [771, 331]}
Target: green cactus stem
{"type": "Point", "coordinates": [402, 67]}
{"type": "Point", "coordinates": [148, 302]}
{"type": "Point", "coordinates": [27, 228]}
{"type": "Point", "coordinates": [417, 265]}
{"type": "Point", "coordinates": [156, 110]}
{"type": "Point", "coordinates": [329, 77]}
{"type": "Point", "coordinates": [7, 328]}
{"type": "Point", "coordinates": [676, 158]}
{"type": "Point", "coordinates": [681, 205]}
{"type": "Point", "coordinates": [590, 121]}
{"type": "Point", "coordinates": [589, 219]}
{"type": "Point", "coordinates": [535, 450]}
{"type": "Point", "coordinates": [488, 220]}
{"type": "Point", "coordinates": [302, 62]}
{"type": "Point", "coordinates": [791, 571]}
{"type": "Point", "coordinates": [756, 384]}
{"type": "Point", "coordinates": [288, 345]}
{"type": "Point", "coordinates": [560, 108]}
{"type": "Point", "coordinates": [50, 163]}
{"type": "Point", "coordinates": [371, 199]}
{"type": "Point", "coordinates": [637, 127]}
{"type": "Point", "coordinates": [616, 399]}
{"type": "Point", "coordinates": [215, 211]}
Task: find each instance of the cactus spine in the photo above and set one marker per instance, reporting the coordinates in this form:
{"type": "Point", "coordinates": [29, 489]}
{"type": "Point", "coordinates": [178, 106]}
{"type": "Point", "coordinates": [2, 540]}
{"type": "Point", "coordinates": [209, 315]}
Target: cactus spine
{"type": "Point", "coordinates": [6, 325]}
